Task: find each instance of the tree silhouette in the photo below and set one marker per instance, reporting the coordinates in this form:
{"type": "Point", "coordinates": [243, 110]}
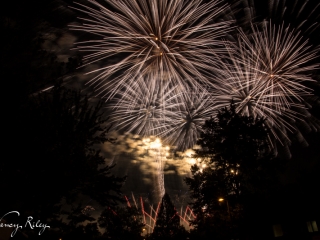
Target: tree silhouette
{"type": "Point", "coordinates": [51, 137]}
{"type": "Point", "coordinates": [239, 170]}
{"type": "Point", "coordinates": [59, 161]}
{"type": "Point", "coordinates": [121, 223]}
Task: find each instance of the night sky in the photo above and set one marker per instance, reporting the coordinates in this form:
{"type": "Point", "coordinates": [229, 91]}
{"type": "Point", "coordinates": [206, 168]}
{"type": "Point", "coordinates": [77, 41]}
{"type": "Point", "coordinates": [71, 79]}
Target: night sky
{"type": "Point", "coordinates": [302, 169]}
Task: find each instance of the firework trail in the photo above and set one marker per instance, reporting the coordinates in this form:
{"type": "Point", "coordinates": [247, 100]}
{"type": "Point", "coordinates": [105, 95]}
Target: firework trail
{"type": "Point", "coordinates": [159, 153]}
{"type": "Point", "coordinates": [150, 213]}
{"type": "Point", "coordinates": [176, 41]}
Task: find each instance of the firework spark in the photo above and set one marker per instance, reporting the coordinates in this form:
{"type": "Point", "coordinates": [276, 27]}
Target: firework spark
{"type": "Point", "coordinates": [177, 41]}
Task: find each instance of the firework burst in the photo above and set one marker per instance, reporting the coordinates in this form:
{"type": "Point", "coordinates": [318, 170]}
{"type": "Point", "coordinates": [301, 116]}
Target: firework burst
{"type": "Point", "coordinates": [177, 41]}
{"type": "Point", "coordinates": [143, 107]}
{"type": "Point", "coordinates": [242, 85]}
{"type": "Point", "coordinates": [186, 121]}
{"type": "Point", "coordinates": [266, 76]}
{"type": "Point", "coordinates": [283, 59]}
{"type": "Point", "coordinates": [158, 58]}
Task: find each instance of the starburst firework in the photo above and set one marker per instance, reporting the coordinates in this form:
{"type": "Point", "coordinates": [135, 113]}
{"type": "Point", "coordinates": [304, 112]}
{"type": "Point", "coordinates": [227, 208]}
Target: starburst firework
{"type": "Point", "coordinates": [266, 77]}
{"type": "Point", "coordinates": [283, 59]}
{"type": "Point", "coordinates": [158, 58]}
{"type": "Point", "coordinates": [177, 41]}
{"type": "Point", "coordinates": [186, 121]}
{"type": "Point", "coordinates": [143, 107]}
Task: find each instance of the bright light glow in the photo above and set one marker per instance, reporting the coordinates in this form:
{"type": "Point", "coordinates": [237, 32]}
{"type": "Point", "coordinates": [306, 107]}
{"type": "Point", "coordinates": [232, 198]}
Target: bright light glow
{"type": "Point", "coordinates": [158, 153]}
{"type": "Point", "coordinates": [192, 161]}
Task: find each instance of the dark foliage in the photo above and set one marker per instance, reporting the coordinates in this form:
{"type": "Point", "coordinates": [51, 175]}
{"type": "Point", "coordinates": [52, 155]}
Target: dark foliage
{"type": "Point", "coordinates": [57, 158]}
{"type": "Point", "coordinates": [51, 137]}
{"type": "Point", "coordinates": [121, 223]}
{"type": "Point", "coordinates": [240, 170]}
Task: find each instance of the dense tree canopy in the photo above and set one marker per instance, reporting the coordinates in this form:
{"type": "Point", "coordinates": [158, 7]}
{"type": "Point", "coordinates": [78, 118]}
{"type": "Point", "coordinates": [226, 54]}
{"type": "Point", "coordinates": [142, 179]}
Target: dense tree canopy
{"type": "Point", "coordinates": [236, 151]}
{"type": "Point", "coordinates": [121, 223]}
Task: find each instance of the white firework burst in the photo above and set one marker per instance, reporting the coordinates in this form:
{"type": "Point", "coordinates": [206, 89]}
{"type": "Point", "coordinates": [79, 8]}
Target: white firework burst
{"type": "Point", "coordinates": [283, 59]}
{"type": "Point", "coordinates": [142, 108]}
{"type": "Point", "coordinates": [185, 122]}
{"type": "Point", "coordinates": [242, 85]}
{"type": "Point", "coordinates": [177, 41]}
{"type": "Point", "coordinates": [266, 77]}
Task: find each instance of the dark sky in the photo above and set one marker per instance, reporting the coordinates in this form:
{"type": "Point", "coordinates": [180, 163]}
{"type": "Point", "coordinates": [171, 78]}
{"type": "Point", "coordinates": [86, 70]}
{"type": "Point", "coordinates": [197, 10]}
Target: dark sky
{"type": "Point", "coordinates": [304, 165]}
